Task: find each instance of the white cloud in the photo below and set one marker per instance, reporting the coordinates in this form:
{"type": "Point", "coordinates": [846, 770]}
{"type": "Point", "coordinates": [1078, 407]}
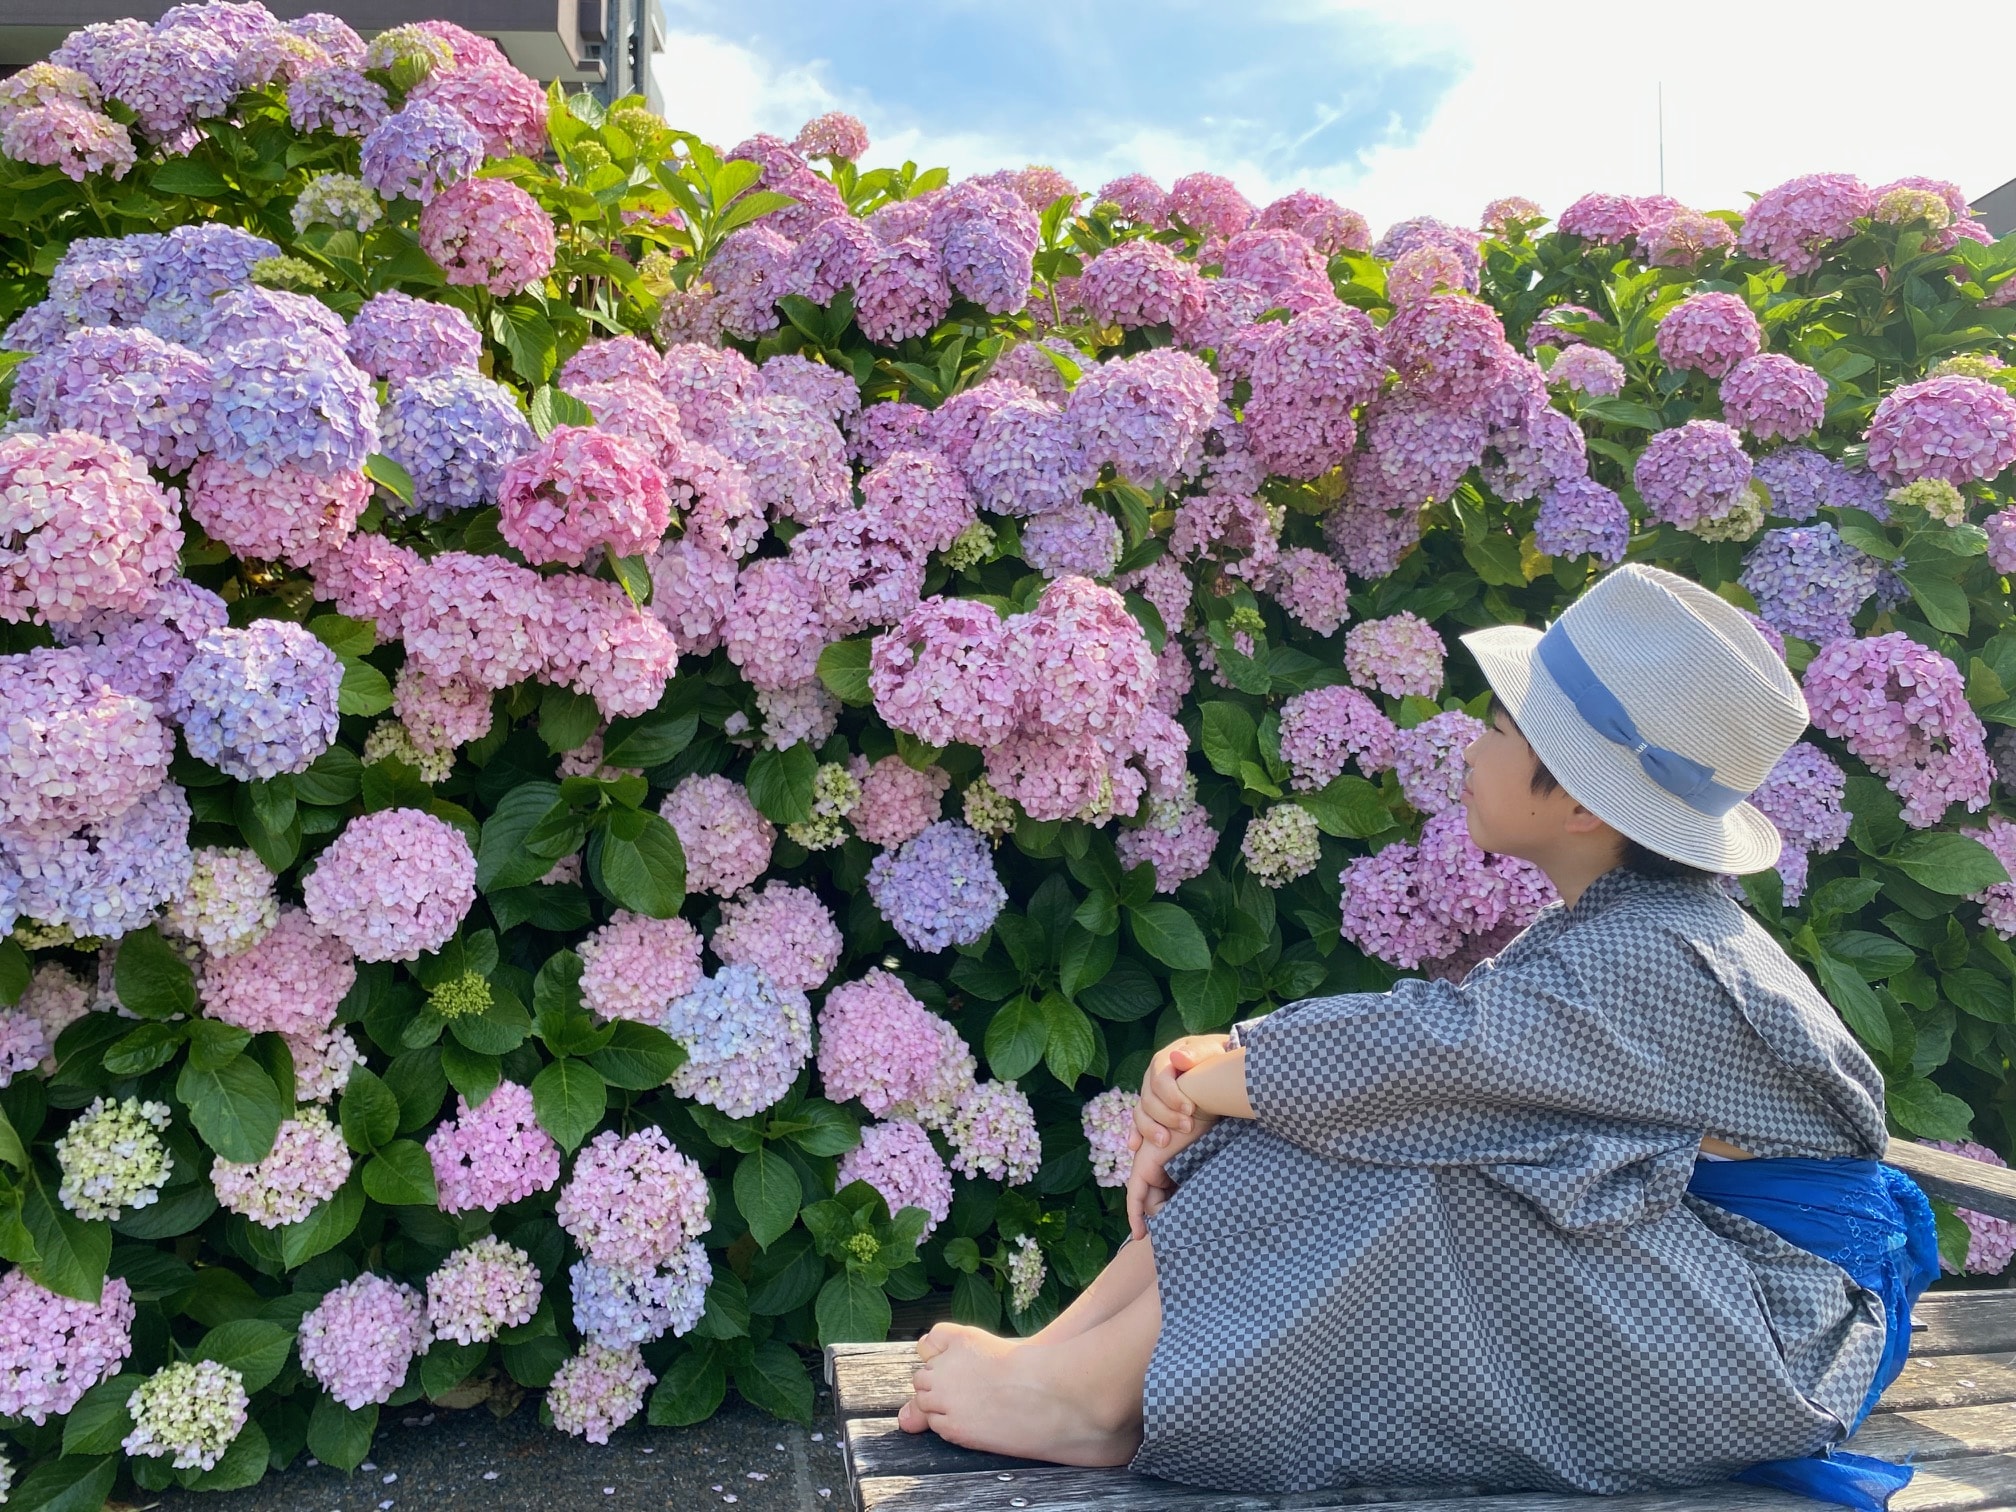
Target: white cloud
{"type": "Point", "coordinates": [1556, 99]}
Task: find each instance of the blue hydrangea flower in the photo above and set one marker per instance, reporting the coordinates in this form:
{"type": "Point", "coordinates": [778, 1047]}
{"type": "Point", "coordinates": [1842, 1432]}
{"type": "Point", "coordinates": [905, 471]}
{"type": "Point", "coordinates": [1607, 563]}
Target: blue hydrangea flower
{"type": "Point", "coordinates": [614, 1306]}
{"type": "Point", "coordinates": [938, 889]}
{"type": "Point", "coordinates": [301, 401]}
{"type": "Point", "coordinates": [453, 432]}
{"type": "Point", "coordinates": [259, 701]}
{"type": "Point", "coordinates": [183, 271]}
{"type": "Point", "coordinates": [420, 150]}
{"type": "Point", "coordinates": [1809, 582]}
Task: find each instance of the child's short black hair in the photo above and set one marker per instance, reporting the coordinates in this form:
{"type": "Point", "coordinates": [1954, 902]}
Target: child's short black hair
{"type": "Point", "coordinates": [1635, 857]}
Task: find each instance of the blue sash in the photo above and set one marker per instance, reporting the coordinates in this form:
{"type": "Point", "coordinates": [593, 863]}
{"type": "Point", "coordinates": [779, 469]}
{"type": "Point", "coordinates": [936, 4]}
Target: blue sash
{"type": "Point", "coordinates": [1872, 1221]}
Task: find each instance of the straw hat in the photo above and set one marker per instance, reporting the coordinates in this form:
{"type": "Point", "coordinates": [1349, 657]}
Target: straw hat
{"type": "Point", "coordinates": [1659, 707]}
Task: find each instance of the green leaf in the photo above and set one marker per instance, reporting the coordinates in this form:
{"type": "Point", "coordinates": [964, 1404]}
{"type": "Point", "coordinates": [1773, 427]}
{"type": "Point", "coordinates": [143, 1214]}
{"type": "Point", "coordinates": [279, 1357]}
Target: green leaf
{"type": "Point", "coordinates": [633, 573]}
{"type": "Point", "coordinates": [72, 1483]}
{"type": "Point", "coordinates": [402, 1175]}
{"type": "Point", "coordinates": [147, 1048]}
{"type": "Point", "coordinates": [14, 971]}
{"type": "Point", "coordinates": [1874, 956]}
{"type": "Point", "coordinates": [152, 980]}
{"type": "Point", "coordinates": [1206, 999]}
{"type": "Point", "coordinates": [528, 336]}
{"type": "Point", "coordinates": [99, 1421]}
{"type": "Point", "coordinates": [851, 1309]}
{"type": "Point", "coordinates": [566, 719]}
{"type": "Point", "coordinates": [369, 1113]}
{"type": "Point", "coordinates": [832, 1132]}
{"type": "Point", "coordinates": [550, 408]}
{"type": "Point", "coordinates": [502, 857]}
{"type": "Point", "coordinates": [780, 783]}
{"type": "Point", "coordinates": [1494, 557]}
{"type": "Point", "coordinates": [447, 1365]}
{"type": "Point", "coordinates": [1858, 1004]}
{"type": "Point", "coordinates": [768, 1193]}
{"type": "Point", "coordinates": [343, 634]}
{"type": "Point", "coordinates": [71, 1255]}
{"type": "Point", "coordinates": [339, 1435]}
{"type": "Point", "coordinates": [1168, 933]}
{"type": "Point", "coordinates": [244, 1462]}
{"type": "Point", "coordinates": [1948, 862]}
{"type": "Point", "coordinates": [649, 740]}
{"type": "Point", "coordinates": [638, 1057]}
{"type": "Point", "coordinates": [334, 779]}
{"type": "Point", "coordinates": [364, 689]}
{"type": "Point", "coordinates": [1943, 601]}
{"type": "Point", "coordinates": [1347, 807]}
{"type": "Point", "coordinates": [236, 1107]}
{"type": "Point", "coordinates": [323, 1229]}
{"type": "Point", "coordinates": [1084, 958]}
{"type": "Point", "coordinates": [1230, 737]}
{"type": "Point", "coordinates": [1073, 1042]}
{"type": "Point", "coordinates": [774, 1379]}
{"type": "Point", "coordinates": [569, 1097]}
{"type": "Point", "coordinates": [1126, 993]}
{"type": "Point", "coordinates": [498, 1029]}
{"type": "Point", "coordinates": [11, 1150]}
{"type": "Point", "coordinates": [636, 862]}
{"type": "Point", "coordinates": [253, 1347]}
{"type": "Point", "coordinates": [189, 176]}
{"type": "Point", "coordinates": [690, 1390]}
{"type": "Point", "coordinates": [843, 668]}
{"type": "Point", "coordinates": [1922, 1109]}
{"type": "Point", "coordinates": [1016, 1037]}
{"type": "Point", "coordinates": [975, 1301]}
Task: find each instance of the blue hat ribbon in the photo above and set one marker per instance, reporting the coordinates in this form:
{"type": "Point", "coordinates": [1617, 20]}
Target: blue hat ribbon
{"type": "Point", "coordinates": [1692, 782]}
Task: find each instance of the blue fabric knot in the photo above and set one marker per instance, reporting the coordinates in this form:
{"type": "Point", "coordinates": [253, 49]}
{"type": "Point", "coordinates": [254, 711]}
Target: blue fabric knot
{"type": "Point", "coordinates": [1872, 1221]}
{"type": "Point", "coordinates": [1691, 781]}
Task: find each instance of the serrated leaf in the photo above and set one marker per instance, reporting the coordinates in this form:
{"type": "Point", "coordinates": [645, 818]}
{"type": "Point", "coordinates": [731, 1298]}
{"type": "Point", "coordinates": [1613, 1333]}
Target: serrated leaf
{"type": "Point", "coordinates": [638, 1057]}
{"type": "Point", "coordinates": [339, 1435]}
{"type": "Point", "coordinates": [851, 1309]}
{"type": "Point", "coordinates": [843, 668]}
{"type": "Point", "coordinates": [326, 1227]}
{"type": "Point", "coordinates": [368, 1112]}
{"type": "Point", "coordinates": [1016, 1037]}
{"type": "Point", "coordinates": [768, 1194]}
{"type": "Point", "coordinates": [568, 1098]}
{"type": "Point", "coordinates": [401, 1174]}
{"type": "Point", "coordinates": [635, 860]}
{"type": "Point", "coordinates": [236, 1107]}
{"type": "Point", "coordinates": [253, 1347]}
{"type": "Point", "coordinates": [1168, 933]}
{"type": "Point", "coordinates": [690, 1390]}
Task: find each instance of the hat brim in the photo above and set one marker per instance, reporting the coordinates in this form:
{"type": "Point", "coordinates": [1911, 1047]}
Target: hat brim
{"type": "Point", "coordinates": [1603, 776]}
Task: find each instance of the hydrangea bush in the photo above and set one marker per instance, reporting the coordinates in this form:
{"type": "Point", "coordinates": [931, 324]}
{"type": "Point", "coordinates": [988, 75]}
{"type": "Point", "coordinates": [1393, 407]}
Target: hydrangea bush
{"type": "Point", "coordinates": [617, 751]}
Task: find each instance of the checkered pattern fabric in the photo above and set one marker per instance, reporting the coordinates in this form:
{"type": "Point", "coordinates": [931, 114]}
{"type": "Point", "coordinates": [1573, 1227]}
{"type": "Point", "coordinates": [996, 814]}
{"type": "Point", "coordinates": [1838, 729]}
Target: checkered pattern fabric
{"type": "Point", "coordinates": [1453, 1246]}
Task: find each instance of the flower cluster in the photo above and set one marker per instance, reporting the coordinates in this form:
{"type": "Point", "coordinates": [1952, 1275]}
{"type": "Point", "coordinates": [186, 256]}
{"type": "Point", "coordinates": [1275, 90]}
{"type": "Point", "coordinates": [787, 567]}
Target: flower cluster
{"type": "Point", "coordinates": [54, 1348]}
{"type": "Point", "coordinates": [112, 1158]}
{"type": "Point", "coordinates": [633, 1201]}
{"type": "Point", "coordinates": [189, 1411]}
{"type": "Point", "coordinates": [492, 1154]}
{"type": "Point", "coordinates": [308, 1162]}
{"type": "Point", "coordinates": [1903, 709]}
{"type": "Point", "coordinates": [360, 1338]}
{"type": "Point", "coordinates": [482, 1289]}
{"type": "Point", "coordinates": [394, 885]}
{"type": "Point", "coordinates": [745, 1037]}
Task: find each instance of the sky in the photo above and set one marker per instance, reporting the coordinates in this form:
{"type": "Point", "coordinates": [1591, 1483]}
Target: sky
{"type": "Point", "coordinates": [1393, 110]}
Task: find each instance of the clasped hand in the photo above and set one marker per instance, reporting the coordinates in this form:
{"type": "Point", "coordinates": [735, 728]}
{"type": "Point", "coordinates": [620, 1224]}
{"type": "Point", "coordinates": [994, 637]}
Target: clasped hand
{"type": "Point", "coordinates": [1165, 1122]}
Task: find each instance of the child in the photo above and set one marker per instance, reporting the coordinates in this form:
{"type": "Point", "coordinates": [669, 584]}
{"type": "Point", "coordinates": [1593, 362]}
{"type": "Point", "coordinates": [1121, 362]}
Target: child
{"type": "Point", "coordinates": [1466, 1234]}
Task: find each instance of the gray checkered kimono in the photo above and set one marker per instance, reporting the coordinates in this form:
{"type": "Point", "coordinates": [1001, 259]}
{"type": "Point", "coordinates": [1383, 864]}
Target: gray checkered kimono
{"type": "Point", "coordinates": [1453, 1247]}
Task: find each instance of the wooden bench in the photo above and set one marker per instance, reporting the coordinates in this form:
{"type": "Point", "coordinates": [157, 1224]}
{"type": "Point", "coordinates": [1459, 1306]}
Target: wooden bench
{"type": "Point", "coordinates": [1951, 1411]}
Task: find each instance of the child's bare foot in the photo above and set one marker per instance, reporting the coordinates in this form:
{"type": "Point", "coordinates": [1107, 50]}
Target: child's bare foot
{"type": "Point", "coordinates": [1010, 1396]}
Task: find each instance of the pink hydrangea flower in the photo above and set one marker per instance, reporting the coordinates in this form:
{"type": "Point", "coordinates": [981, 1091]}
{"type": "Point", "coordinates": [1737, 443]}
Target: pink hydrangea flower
{"type": "Point", "coordinates": [1709, 333]}
{"type": "Point", "coordinates": [943, 674]}
{"type": "Point", "coordinates": [993, 1134]}
{"type": "Point", "coordinates": [598, 1390]}
{"type": "Point", "coordinates": [1795, 222]}
{"type": "Point", "coordinates": [727, 842]}
{"type": "Point", "coordinates": [634, 966]}
{"type": "Point", "coordinates": [460, 614]}
{"type": "Point", "coordinates": [394, 885]}
{"type": "Point", "coordinates": [1384, 910]}
{"type": "Point", "coordinates": [1146, 415]}
{"type": "Point", "coordinates": [1990, 1241]}
{"type": "Point", "coordinates": [306, 1165]}
{"type": "Point", "coordinates": [1177, 840]}
{"type": "Point", "coordinates": [897, 800]}
{"type": "Point", "coordinates": [1400, 655]}
{"type": "Point", "coordinates": [584, 489]}
{"type": "Point", "coordinates": [291, 515]}
{"type": "Point", "coordinates": [290, 981]}
{"type": "Point", "coordinates": [898, 1159]}
{"type": "Point", "coordinates": [53, 1348]}
{"type": "Point", "coordinates": [633, 1200]}
{"type": "Point", "coordinates": [1138, 283]}
{"type": "Point", "coordinates": [1588, 370]}
{"type": "Point", "coordinates": [783, 929]}
{"type": "Point", "coordinates": [85, 527]}
{"type": "Point", "coordinates": [1428, 759]}
{"type": "Point", "coordinates": [359, 1340]}
{"type": "Point", "coordinates": [879, 1044]}
{"type": "Point", "coordinates": [488, 232]}
{"type": "Point", "coordinates": [72, 751]}
{"type": "Point", "coordinates": [1447, 348]}
{"type": "Point", "coordinates": [1107, 1120]}
{"type": "Point", "coordinates": [1772, 397]}
{"type": "Point", "coordinates": [1693, 474]}
{"type": "Point", "coordinates": [1902, 708]}
{"type": "Point", "coordinates": [493, 1154]}
{"type": "Point", "coordinates": [480, 1290]}
{"type": "Point", "coordinates": [1955, 429]}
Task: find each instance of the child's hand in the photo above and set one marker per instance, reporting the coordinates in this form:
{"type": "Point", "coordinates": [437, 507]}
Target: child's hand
{"type": "Point", "coordinates": [1163, 1110]}
{"type": "Point", "coordinates": [1148, 1187]}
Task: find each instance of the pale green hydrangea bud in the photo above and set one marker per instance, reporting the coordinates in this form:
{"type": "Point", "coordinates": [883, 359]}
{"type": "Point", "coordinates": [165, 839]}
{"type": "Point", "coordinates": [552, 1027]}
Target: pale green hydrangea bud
{"type": "Point", "coordinates": [463, 997]}
{"type": "Point", "coordinates": [1026, 1270]}
{"type": "Point", "coordinates": [338, 200]}
{"type": "Point", "coordinates": [391, 738]}
{"type": "Point", "coordinates": [1742, 522]}
{"type": "Point", "coordinates": [643, 127]}
{"type": "Point", "coordinates": [1936, 497]}
{"type": "Point", "coordinates": [1967, 365]}
{"type": "Point", "coordinates": [1248, 621]}
{"type": "Point", "coordinates": [192, 1410]}
{"type": "Point", "coordinates": [112, 1158]}
{"type": "Point", "coordinates": [32, 934]}
{"type": "Point", "coordinates": [834, 794]}
{"type": "Point", "coordinates": [1282, 844]}
{"type": "Point", "coordinates": [988, 810]}
{"type": "Point", "coordinates": [1901, 207]}
{"type": "Point", "coordinates": [588, 156]}
{"type": "Point", "coordinates": [971, 547]}
{"type": "Point", "coordinates": [287, 273]}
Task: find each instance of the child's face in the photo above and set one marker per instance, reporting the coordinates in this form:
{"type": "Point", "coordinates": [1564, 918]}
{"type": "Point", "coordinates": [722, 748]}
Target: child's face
{"type": "Point", "coordinates": [1505, 816]}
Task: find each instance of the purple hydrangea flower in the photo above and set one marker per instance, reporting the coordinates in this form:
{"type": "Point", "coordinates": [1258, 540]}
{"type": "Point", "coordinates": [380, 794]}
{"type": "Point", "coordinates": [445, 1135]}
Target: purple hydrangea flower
{"type": "Point", "coordinates": [259, 701]}
{"type": "Point", "coordinates": [939, 889]}
{"type": "Point", "coordinates": [454, 432]}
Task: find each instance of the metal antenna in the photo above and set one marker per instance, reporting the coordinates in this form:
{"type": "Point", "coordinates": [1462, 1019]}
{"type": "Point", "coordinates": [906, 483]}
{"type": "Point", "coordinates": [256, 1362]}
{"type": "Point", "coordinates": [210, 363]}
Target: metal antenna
{"type": "Point", "coordinates": [1662, 136]}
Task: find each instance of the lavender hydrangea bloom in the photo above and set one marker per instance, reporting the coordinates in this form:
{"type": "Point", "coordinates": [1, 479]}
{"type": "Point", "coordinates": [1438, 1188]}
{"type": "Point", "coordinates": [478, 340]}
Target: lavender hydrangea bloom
{"type": "Point", "coordinates": [418, 151]}
{"type": "Point", "coordinates": [745, 1040]}
{"type": "Point", "coordinates": [338, 100]}
{"type": "Point", "coordinates": [108, 878]}
{"type": "Point", "coordinates": [127, 385]}
{"type": "Point", "coordinates": [616, 1305]}
{"type": "Point", "coordinates": [986, 238]}
{"type": "Point", "coordinates": [1027, 460]}
{"type": "Point", "coordinates": [1809, 582]}
{"type": "Point", "coordinates": [939, 889]}
{"type": "Point", "coordinates": [1772, 397]}
{"type": "Point", "coordinates": [259, 701]}
{"type": "Point", "coordinates": [1581, 515]}
{"type": "Point", "coordinates": [1956, 429]}
{"type": "Point", "coordinates": [304, 402]}
{"type": "Point", "coordinates": [183, 271]}
{"type": "Point", "coordinates": [454, 432]}
{"type": "Point", "coordinates": [1693, 473]}
{"type": "Point", "coordinates": [1799, 480]}
{"type": "Point", "coordinates": [395, 336]}
{"type": "Point", "coordinates": [1146, 415]}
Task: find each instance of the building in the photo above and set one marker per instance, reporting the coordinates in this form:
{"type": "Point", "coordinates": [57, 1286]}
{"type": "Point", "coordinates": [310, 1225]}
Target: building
{"type": "Point", "coordinates": [606, 45]}
{"type": "Point", "coordinates": [1997, 209]}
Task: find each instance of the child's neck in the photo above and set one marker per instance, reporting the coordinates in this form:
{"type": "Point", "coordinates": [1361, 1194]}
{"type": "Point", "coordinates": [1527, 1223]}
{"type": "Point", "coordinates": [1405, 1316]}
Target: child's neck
{"type": "Point", "coordinates": [1574, 867]}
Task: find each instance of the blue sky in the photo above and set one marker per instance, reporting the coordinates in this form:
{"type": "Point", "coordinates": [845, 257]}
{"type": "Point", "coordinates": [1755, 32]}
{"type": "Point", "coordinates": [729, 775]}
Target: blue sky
{"type": "Point", "coordinates": [1395, 110]}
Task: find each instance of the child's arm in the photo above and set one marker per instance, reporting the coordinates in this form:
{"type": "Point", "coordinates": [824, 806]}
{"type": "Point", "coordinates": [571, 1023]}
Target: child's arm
{"type": "Point", "coordinates": [1218, 1085]}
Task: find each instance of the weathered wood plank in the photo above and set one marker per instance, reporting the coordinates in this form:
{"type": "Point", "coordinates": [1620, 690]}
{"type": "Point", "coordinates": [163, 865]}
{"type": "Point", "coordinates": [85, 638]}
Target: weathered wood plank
{"type": "Point", "coordinates": [1939, 1434]}
{"type": "Point", "coordinates": [1951, 1381]}
{"type": "Point", "coordinates": [877, 1446]}
{"type": "Point", "coordinates": [1964, 1322]}
{"type": "Point", "coordinates": [1966, 1485]}
{"type": "Point", "coordinates": [1970, 1183]}
{"type": "Point", "coordinates": [870, 1380]}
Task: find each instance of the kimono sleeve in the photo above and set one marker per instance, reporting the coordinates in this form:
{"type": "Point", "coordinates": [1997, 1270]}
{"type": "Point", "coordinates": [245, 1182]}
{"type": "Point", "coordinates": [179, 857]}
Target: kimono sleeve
{"type": "Point", "coordinates": [1344, 1075]}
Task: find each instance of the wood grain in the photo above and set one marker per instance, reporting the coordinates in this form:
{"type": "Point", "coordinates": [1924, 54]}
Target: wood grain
{"type": "Point", "coordinates": [1970, 1183]}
